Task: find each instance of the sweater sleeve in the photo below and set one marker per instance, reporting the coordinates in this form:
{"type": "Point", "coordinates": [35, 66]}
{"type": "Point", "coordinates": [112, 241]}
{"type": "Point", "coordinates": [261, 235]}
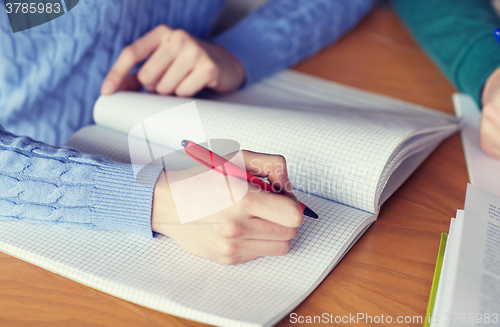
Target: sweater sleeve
{"type": "Point", "coordinates": [458, 35]}
{"type": "Point", "coordinates": [282, 32]}
{"type": "Point", "coordinates": [60, 186]}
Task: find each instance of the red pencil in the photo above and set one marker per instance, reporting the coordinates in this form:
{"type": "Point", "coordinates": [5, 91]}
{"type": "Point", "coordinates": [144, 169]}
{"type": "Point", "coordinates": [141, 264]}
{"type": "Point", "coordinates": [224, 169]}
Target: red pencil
{"type": "Point", "coordinates": [214, 161]}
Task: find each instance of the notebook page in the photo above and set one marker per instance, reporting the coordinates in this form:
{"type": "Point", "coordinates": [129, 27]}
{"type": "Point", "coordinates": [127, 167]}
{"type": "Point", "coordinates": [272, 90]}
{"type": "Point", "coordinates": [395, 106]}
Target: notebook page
{"type": "Point", "coordinates": [340, 155]}
{"type": "Point", "coordinates": [408, 156]}
{"type": "Point", "coordinates": [158, 274]}
{"type": "Point", "coordinates": [293, 90]}
{"type": "Point", "coordinates": [99, 141]}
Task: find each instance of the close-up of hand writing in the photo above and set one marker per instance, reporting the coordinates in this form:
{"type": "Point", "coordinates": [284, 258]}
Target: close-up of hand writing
{"type": "Point", "coordinates": [260, 224]}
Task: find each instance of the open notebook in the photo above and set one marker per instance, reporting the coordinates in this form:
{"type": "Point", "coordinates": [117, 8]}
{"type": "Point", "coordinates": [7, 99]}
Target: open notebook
{"type": "Point", "coordinates": [348, 151]}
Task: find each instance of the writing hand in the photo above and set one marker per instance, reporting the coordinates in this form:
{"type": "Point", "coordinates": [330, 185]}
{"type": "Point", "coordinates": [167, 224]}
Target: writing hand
{"type": "Point", "coordinates": [177, 63]}
{"type": "Point", "coordinates": [490, 119]}
{"type": "Point", "coordinates": [260, 224]}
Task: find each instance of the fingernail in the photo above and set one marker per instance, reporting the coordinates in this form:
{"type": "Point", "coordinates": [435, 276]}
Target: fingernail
{"type": "Point", "coordinates": [107, 87]}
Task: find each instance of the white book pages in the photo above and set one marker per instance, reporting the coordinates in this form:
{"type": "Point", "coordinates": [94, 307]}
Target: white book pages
{"type": "Point", "coordinates": [444, 296]}
{"type": "Point", "coordinates": [476, 297]}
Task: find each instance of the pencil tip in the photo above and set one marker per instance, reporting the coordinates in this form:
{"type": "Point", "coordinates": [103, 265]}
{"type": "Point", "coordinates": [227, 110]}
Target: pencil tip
{"type": "Point", "coordinates": [308, 212]}
{"type": "Point", "coordinates": [185, 143]}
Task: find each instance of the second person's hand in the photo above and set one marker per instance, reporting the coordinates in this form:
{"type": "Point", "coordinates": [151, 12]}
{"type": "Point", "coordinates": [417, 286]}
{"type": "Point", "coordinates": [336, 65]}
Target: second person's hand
{"type": "Point", "coordinates": [177, 63]}
{"type": "Point", "coordinates": [490, 118]}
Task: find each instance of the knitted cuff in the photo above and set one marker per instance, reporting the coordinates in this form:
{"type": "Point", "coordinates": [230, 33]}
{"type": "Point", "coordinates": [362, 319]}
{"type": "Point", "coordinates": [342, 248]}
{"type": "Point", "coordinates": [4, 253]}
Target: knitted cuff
{"type": "Point", "coordinates": [121, 203]}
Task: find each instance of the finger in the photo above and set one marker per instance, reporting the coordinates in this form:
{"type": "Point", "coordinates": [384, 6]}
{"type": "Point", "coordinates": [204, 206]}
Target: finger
{"type": "Point", "coordinates": [179, 69]}
{"type": "Point", "coordinates": [490, 138]}
{"type": "Point", "coordinates": [273, 167]}
{"type": "Point", "coordinates": [262, 248]}
{"type": "Point", "coordinates": [491, 112]}
{"type": "Point", "coordinates": [156, 66]}
{"type": "Point", "coordinates": [232, 260]}
{"type": "Point", "coordinates": [202, 75]}
{"type": "Point", "coordinates": [255, 228]}
{"type": "Point", "coordinates": [276, 208]}
{"type": "Point", "coordinates": [260, 229]}
{"type": "Point", "coordinates": [267, 165]}
{"type": "Point", "coordinates": [132, 55]}
{"type": "Point", "coordinates": [130, 83]}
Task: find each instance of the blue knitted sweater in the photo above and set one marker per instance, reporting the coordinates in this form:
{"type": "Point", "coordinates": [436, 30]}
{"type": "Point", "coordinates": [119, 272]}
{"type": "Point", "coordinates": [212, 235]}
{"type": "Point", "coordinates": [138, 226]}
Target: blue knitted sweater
{"type": "Point", "coordinates": [50, 77]}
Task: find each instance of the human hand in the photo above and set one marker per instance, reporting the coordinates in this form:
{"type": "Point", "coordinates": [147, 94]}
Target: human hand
{"type": "Point", "coordinates": [178, 64]}
{"type": "Point", "coordinates": [490, 119]}
{"type": "Point", "coordinates": [260, 224]}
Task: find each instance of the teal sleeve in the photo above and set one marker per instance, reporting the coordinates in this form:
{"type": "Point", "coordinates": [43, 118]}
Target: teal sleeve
{"type": "Point", "coordinates": [458, 36]}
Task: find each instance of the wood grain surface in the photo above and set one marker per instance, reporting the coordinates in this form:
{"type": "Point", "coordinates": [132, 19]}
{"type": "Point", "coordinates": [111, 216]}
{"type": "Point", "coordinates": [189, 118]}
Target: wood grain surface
{"type": "Point", "coordinates": [388, 271]}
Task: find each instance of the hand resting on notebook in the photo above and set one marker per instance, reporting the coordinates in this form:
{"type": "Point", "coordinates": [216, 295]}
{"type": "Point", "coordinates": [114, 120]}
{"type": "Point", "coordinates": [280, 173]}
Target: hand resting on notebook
{"type": "Point", "coordinates": [177, 64]}
{"type": "Point", "coordinates": [260, 224]}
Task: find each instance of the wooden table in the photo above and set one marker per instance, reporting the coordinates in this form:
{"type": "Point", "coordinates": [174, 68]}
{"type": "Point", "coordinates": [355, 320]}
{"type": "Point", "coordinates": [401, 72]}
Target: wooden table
{"type": "Point", "coordinates": [388, 271]}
